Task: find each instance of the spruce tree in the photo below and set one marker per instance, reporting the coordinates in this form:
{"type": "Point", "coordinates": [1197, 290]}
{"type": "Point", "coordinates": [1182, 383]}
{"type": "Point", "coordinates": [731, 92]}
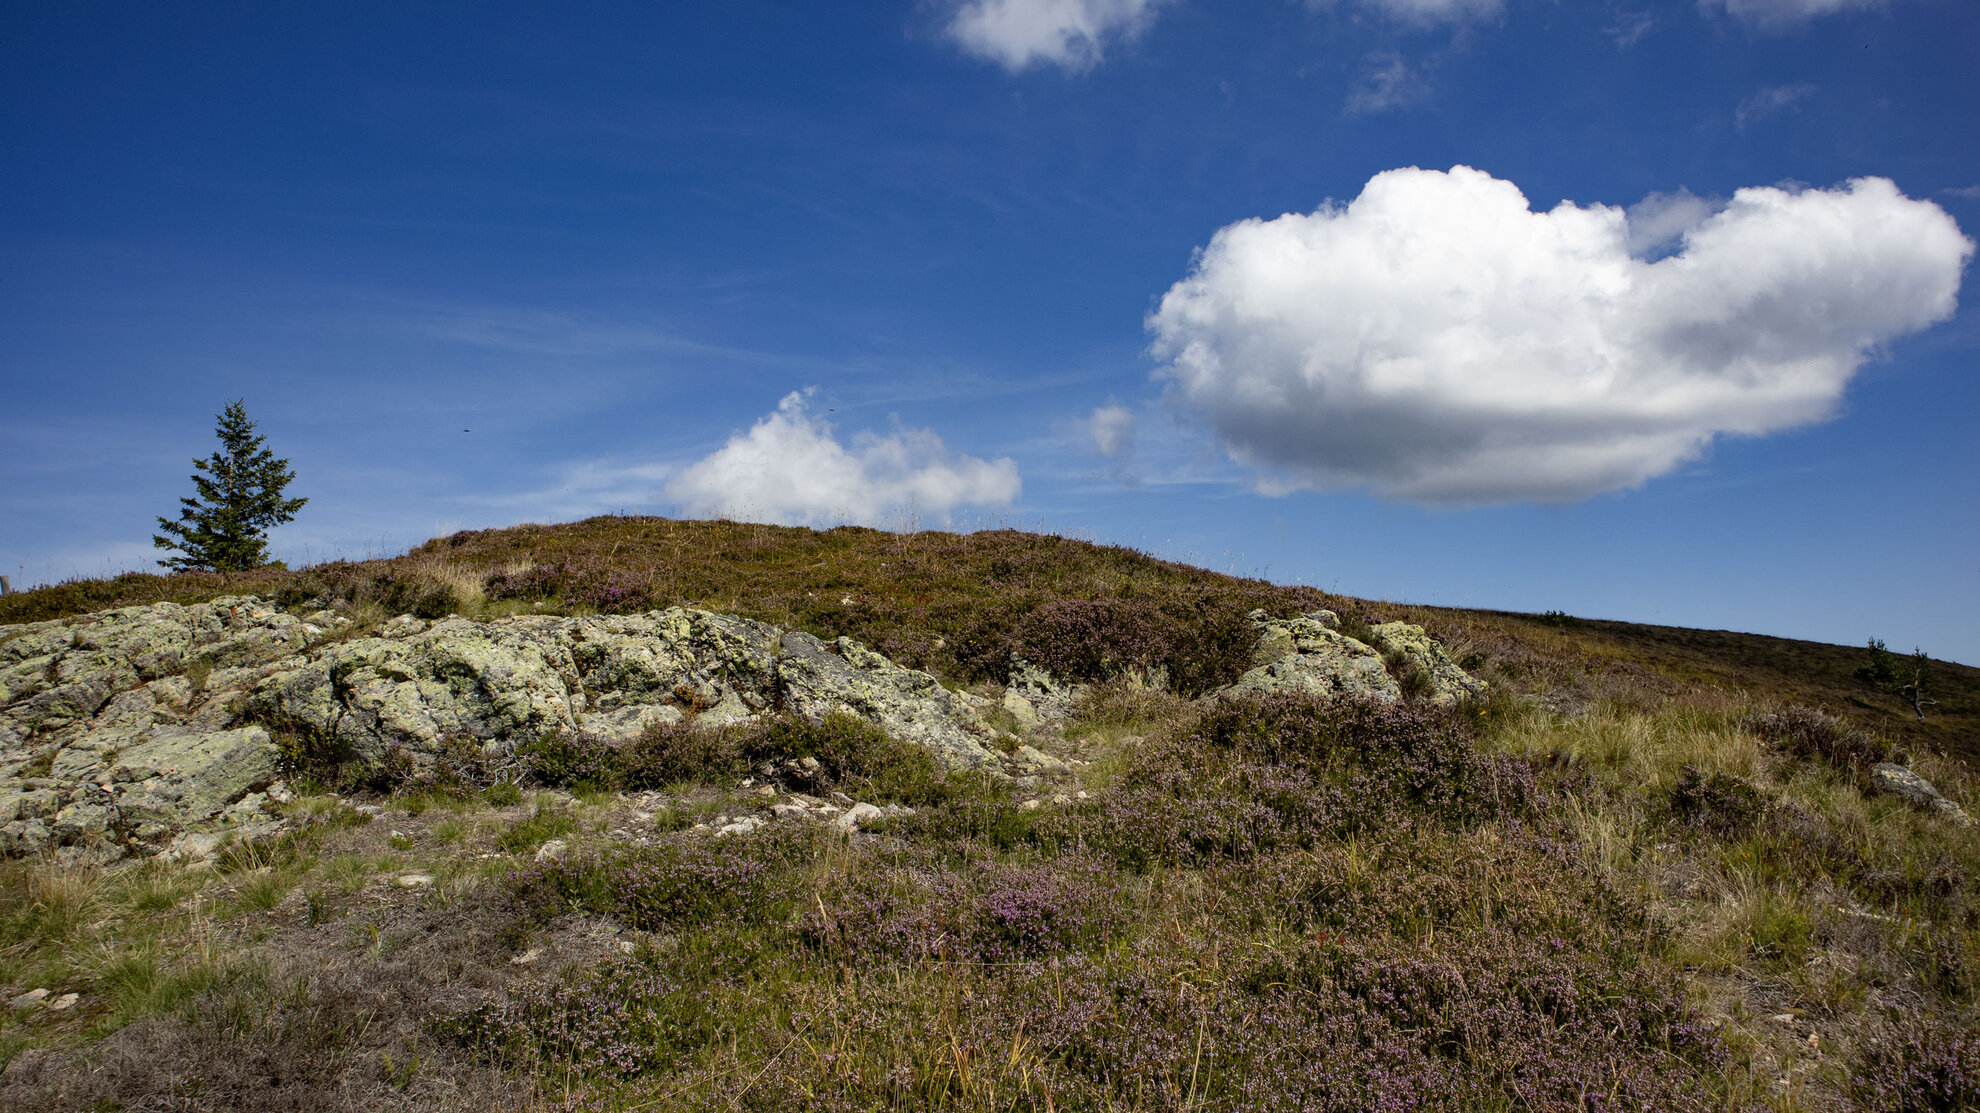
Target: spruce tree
{"type": "Point", "coordinates": [225, 529]}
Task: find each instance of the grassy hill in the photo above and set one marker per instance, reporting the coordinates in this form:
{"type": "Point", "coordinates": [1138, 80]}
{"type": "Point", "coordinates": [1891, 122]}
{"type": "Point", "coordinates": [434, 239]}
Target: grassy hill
{"type": "Point", "coordinates": [1650, 871]}
{"type": "Point", "coordinates": [951, 603]}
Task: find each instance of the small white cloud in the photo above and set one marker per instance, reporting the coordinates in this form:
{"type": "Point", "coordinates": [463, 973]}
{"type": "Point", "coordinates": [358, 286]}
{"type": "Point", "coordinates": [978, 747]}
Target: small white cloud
{"type": "Point", "coordinates": [1071, 34]}
{"type": "Point", "coordinates": [1777, 15]}
{"type": "Point", "coordinates": [1426, 11]}
{"type": "Point", "coordinates": [1438, 341]}
{"type": "Point", "coordinates": [1629, 27]}
{"type": "Point", "coordinates": [1112, 430]}
{"type": "Point", "coordinates": [1770, 101]}
{"type": "Point", "coordinates": [789, 468]}
{"type": "Point", "coordinates": [1387, 84]}
{"type": "Point", "coordinates": [1968, 193]}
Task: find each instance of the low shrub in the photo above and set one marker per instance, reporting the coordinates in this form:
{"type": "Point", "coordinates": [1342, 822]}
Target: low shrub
{"type": "Point", "coordinates": [1927, 1068]}
{"type": "Point", "coordinates": [671, 884]}
{"type": "Point", "coordinates": [1807, 733]}
{"type": "Point", "coordinates": [849, 755]}
{"type": "Point", "coordinates": [1263, 773]}
{"type": "Point", "coordinates": [981, 912]}
{"type": "Point", "coordinates": [1721, 803]}
{"type": "Point", "coordinates": [618, 1021]}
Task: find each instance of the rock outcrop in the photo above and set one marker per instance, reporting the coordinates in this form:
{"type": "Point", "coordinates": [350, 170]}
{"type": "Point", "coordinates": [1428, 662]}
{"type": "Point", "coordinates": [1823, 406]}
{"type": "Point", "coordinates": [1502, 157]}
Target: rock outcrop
{"type": "Point", "coordinates": [120, 729]}
{"type": "Point", "coordinates": [1441, 680]}
{"type": "Point", "coordinates": [1307, 655]}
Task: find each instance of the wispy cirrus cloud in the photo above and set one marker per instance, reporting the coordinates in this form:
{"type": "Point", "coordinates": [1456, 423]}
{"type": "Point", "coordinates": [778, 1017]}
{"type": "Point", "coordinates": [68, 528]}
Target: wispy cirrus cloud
{"type": "Point", "coordinates": [1771, 101]}
{"type": "Point", "coordinates": [1781, 15]}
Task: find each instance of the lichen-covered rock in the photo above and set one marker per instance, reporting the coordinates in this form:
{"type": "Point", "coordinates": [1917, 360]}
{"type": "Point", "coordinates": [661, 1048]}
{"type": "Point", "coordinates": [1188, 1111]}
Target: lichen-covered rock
{"type": "Point", "coordinates": [119, 729]}
{"type": "Point", "coordinates": [1900, 781]}
{"type": "Point", "coordinates": [816, 679]}
{"type": "Point", "coordinates": [1443, 681]}
{"type": "Point", "coordinates": [1306, 655]}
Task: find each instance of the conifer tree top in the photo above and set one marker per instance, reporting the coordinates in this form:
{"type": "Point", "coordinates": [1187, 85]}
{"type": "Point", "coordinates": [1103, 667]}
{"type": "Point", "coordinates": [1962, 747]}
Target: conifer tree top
{"type": "Point", "coordinates": [238, 499]}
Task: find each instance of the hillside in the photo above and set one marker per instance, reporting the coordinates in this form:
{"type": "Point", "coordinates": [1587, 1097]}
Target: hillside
{"type": "Point", "coordinates": [1649, 868]}
{"type": "Point", "coordinates": [950, 602]}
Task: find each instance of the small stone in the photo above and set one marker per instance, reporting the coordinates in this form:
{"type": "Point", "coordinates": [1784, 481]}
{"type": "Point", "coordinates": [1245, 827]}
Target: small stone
{"type": "Point", "coordinates": [553, 851]}
{"type": "Point", "coordinates": [31, 999]}
{"type": "Point", "coordinates": [371, 810]}
{"type": "Point", "coordinates": [741, 826]}
{"type": "Point", "coordinates": [1031, 805]}
{"type": "Point", "coordinates": [527, 957]}
{"type": "Point", "coordinates": [413, 880]}
{"type": "Point", "coordinates": [789, 811]}
{"type": "Point", "coordinates": [1081, 795]}
{"type": "Point", "coordinates": [627, 946]}
{"type": "Point", "coordinates": [857, 815]}
{"type": "Point", "coordinates": [1061, 799]}
{"type": "Point", "coordinates": [64, 1003]}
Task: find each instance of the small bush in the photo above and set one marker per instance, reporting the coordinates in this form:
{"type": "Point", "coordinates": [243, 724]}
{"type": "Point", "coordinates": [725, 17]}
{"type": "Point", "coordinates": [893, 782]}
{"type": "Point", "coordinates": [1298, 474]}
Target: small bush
{"type": "Point", "coordinates": [616, 1022]}
{"type": "Point", "coordinates": [1191, 647]}
{"type": "Point", "coordinates": [654, 887]}
{"type": "Point", "coordinates": [1808, 733]}
{"type": "Point", "coordinates": [1721, 804]}
{"type": "Point", "coordinates": [566, 760]}
{"type": "Point", "coordinates": [668, 752]}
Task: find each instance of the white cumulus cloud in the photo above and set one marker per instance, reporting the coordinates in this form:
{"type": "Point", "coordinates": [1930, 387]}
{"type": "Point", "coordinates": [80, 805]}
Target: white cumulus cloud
{"type": "Point", "coordinates": [1438, 341]}
{"type": "Point", "coordinates": [1779, 14]}
{"type": "Point", "coordinates": [790, 468]}
{"type": "Point", "coordinates": [1072, 34]}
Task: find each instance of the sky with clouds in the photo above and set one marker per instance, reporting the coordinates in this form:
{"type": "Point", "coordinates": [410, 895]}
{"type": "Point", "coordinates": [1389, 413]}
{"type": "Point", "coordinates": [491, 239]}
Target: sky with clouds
{"type": "Point", "coordinates": [1644, 309]}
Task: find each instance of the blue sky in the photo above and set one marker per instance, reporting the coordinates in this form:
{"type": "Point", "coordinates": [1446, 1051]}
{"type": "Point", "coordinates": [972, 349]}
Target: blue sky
{"type": "Point", "coordinates": [1637, 310]}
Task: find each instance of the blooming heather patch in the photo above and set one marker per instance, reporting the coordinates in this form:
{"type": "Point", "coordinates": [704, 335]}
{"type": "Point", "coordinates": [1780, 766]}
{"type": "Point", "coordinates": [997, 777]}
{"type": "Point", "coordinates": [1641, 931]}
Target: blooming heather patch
{"type": "Point", "coordinates": [1264, 773]}
{"type": "Point", "coordinates": [656, 887]}
{"type": "Point", "coordinates": [1932, 1068]}
{"type": "Point", "coordinates": [986, 911]}
{"type": "Point", "coordinates": [617, 1021]}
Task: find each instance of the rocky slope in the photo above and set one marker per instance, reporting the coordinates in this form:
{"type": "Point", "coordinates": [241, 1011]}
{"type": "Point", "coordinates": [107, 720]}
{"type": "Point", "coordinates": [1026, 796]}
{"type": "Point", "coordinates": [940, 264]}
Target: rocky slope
{"type": "Point", "coordinates": [142, 730]}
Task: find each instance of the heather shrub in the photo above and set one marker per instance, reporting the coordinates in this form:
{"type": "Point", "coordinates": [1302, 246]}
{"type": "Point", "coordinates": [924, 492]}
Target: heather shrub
{"type": "Point", "coordinates": [575, 586]}
{"type": "Point", "coordinates": [616, 1021]}
{"type": "Point", "coordinates": [667, 885]}
{"type": "Point", "coordinates": [1190, 646]}
{"type": "Point", "coordinates": [1922, 1068]}
{"type": "Point", "coordinates": [665, 753]}
{"type": "Point", "coordinates": [851, 755]}
{"type": "Point", "coordinates": [1263, 773]}
{"type": "Point", "coordinates": [1721, 804]}
{"type": "Point", "coordinates": [1392, 758]}
{"type": "Point", "coordinates": [1808, 733]}
{"type": "Point", "coordinates": [560, 759]}
{"type": "Point", "coordinates": [981, 912]}
{"type": "Point", "coordinates": [1088, 640]}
